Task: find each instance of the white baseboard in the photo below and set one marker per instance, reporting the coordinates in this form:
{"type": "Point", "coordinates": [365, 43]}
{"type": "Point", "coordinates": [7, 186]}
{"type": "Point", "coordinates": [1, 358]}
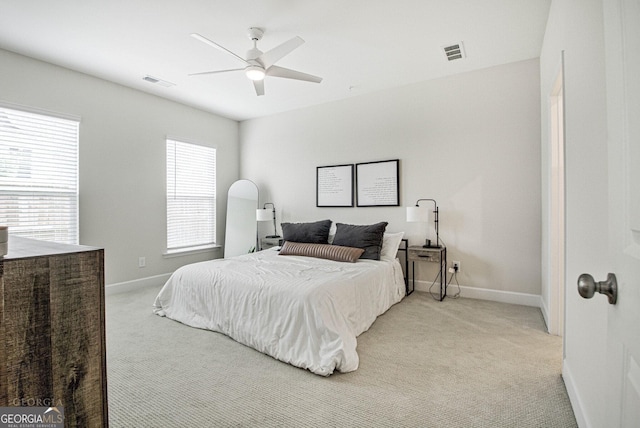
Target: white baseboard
{"type": "Point", "coordinates": [150, 281]}
{"type": "Point", "coordinates": [487, 294]}
{"type": "Point", "coordinates": [574, 397]}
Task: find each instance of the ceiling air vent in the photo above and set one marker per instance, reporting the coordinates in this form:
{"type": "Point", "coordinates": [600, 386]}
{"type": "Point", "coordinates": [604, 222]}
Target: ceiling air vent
{"type": "Point", "coordinates": [157, 81]}
{"type": "Point", "coordinates": [454, 51]}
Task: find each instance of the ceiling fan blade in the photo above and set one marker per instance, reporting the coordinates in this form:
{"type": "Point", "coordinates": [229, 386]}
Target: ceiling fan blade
{"type": "Point", "coordinates": [217, 46]}
{"type": "Point", "coordinates": [271, 57]}
{"type": "Point", "coordinates": [215, 72]}
{"type": "Point", "coordinates": [286, 73]}
{"type": "Point", "coordinates": [259, 86]}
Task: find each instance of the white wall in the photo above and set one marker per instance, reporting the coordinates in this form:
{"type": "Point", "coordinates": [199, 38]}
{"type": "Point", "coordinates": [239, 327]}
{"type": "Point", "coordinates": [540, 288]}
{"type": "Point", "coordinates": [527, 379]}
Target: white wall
{"type": "Point", "coordinates": [122, 159]}
{"type": "Point", "coordinates": [576, 26]}
{"type": "Point", "coordinates": [470, 141]}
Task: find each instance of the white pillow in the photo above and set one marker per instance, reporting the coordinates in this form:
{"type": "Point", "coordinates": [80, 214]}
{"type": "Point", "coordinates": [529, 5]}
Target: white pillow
{"type": "Point", "coordinates": [332, 232]}
{"type": "Point", "coordinates": [390, 245]}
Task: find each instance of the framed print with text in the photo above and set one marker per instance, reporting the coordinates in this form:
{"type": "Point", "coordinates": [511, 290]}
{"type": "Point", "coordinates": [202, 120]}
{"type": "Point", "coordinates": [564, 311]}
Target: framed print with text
{"type": "Point", "coordinates": [377, 184]}
{"type": "Point", "coordinates": [334, 186]}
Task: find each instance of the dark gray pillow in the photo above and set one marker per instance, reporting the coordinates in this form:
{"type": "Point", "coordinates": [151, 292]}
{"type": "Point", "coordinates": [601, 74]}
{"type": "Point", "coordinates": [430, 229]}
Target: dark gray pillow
{"type": "Point", "coordinates": [369, 238]}
{"type": "Point", "coordinates": [314, 233]}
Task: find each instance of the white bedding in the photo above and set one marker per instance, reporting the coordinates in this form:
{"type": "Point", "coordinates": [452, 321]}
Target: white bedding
{"type": "Point", "coordinates": [301, 310]}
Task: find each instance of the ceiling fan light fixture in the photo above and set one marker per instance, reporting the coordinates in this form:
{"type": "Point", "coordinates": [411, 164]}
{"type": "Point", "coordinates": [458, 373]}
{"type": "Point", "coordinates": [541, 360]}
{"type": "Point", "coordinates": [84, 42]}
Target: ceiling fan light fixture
{"type": "Point", "coordinates": [257, 63]}
{"type": "Point", "coordinates": [254, 72]}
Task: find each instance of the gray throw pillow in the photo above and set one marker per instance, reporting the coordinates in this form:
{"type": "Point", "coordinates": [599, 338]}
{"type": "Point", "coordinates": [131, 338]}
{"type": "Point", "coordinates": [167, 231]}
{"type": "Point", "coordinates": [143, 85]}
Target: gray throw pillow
{"type": "Point", "coordinates": [314, 233]}
{"type": "Point", "coordinates": [367, 237]}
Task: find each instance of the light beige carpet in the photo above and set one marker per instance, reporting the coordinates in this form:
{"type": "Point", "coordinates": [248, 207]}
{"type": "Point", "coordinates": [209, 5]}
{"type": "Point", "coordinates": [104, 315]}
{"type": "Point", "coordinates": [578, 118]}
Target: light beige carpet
{"type": "Point", "coordinates": [457, 363]}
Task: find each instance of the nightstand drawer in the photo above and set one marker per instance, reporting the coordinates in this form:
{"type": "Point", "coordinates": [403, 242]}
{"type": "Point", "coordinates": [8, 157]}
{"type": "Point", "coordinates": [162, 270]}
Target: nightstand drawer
{"type": "Point", "coordinates": [424, 254]}
{"type": "Point", "coordinates": [270, 242]}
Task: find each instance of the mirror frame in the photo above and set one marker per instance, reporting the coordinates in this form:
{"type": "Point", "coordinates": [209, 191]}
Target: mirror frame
{"type": "Point", "coordinates": [241, 233]}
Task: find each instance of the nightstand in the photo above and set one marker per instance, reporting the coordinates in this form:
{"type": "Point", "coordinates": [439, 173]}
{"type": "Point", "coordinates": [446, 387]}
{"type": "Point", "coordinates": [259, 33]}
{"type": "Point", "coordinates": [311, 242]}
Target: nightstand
{"type": "Point", "coordinates": [268, 242]}
{"type": "Point", "coordinates": [432, 255]}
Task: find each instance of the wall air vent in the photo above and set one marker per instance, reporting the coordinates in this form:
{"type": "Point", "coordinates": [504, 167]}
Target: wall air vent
{"type": "Point", "coordinates": [157, 81]}
{"type": "Point", "coordinates": [454, 51]}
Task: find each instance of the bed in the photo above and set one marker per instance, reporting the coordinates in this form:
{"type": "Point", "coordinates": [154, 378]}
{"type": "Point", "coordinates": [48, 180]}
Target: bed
{"type": "Point", "coordinates": [303, 310]}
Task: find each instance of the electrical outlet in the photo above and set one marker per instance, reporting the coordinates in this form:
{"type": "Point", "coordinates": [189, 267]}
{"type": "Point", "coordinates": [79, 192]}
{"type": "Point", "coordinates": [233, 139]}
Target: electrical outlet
{"type": "Point", "coordinates": [142, 262]}
{"type": "Point", "coordinates": [456, 265]}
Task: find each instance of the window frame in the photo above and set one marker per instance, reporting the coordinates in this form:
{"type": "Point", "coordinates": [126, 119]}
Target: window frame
{"type": "Point", "coordinates": [58, 132]}
{"type": "Point", "coordinates": [192, 248]}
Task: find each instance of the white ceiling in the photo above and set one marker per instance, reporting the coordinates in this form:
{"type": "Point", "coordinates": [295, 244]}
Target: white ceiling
{"type": "Point", "coordinates": [356, 46]}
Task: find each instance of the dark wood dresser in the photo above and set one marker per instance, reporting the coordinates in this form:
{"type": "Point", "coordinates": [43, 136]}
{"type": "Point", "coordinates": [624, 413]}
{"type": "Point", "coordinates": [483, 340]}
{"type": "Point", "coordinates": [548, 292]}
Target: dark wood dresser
{"type": "Point", "coordinates": [52, 330]}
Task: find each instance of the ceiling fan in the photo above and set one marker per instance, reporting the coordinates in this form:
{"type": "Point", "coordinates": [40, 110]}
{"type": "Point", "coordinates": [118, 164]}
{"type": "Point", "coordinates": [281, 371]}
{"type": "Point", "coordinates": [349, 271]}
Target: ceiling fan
{"type": "Point", "coordinates": [259, 64]}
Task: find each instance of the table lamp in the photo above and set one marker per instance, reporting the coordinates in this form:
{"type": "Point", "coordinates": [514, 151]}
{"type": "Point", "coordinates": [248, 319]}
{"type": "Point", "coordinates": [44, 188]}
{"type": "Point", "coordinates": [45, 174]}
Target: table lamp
{"type": "Point", "coordinates": [421, 214]}
{"type": "Point", "coordinates": [266, 214]}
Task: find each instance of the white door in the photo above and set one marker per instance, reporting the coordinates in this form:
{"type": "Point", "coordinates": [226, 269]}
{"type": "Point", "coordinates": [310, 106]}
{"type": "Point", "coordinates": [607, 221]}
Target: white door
{"type": "Point", "coordinates": [601, 364]}
{"type": "Point", "coordinates": [622, 44]}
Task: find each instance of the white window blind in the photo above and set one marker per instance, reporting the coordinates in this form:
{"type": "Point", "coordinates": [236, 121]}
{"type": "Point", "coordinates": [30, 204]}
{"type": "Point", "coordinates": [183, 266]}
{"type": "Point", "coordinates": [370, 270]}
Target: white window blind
{"type": "Point", "coordinates": [191, 196]}
{"type": "Point", "coordinates": [39, 175]}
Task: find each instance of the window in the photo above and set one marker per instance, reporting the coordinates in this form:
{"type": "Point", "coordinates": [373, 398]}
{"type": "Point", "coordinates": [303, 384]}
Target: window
{"type": "Point", "coordinates": [39, 175]}
{"type": "Point", "coordinates": [191, 196]}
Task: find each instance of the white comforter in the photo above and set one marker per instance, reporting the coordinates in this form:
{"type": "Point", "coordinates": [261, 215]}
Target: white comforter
{"type": "Point", "coordinates": [301, 310]}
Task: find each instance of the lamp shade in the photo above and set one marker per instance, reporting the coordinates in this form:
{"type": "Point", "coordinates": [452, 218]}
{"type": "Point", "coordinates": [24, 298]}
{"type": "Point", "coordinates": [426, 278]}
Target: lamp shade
{"type": "Point", "coordinates": [264, 214]}
{"type": "Point", "coordinates": [420, 214]}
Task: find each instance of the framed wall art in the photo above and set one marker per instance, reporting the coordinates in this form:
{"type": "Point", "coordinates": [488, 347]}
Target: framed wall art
{"type": "Point", "coordinates": [334, 186]}
{"type": "Point", "coordinates": [377, 183]}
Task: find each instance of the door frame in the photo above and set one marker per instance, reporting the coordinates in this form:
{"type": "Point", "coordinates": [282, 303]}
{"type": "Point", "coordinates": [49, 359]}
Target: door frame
{"type": "Point", "coordinates": [556, 199]}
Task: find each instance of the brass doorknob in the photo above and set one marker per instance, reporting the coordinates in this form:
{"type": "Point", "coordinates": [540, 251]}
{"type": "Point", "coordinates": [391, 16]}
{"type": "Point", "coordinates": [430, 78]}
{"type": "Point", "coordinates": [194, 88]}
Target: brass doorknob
{"type": "Point", "coordinates": [587, 287]}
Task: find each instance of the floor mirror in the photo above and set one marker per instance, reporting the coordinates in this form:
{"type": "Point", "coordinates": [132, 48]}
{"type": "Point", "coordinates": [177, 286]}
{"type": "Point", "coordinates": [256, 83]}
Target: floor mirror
{"type": "Point", "coordinates": [242, 226]}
